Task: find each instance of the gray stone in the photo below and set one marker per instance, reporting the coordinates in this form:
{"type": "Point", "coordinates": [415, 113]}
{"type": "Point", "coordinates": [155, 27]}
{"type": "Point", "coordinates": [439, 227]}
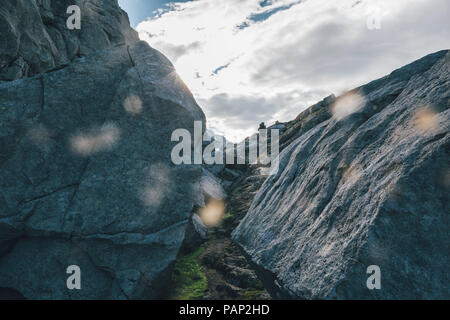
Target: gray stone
{"type": "Point", "coordinates": [86, 176]}
{"type": "Point", "coordinates": [34, 37]}
{"type": "Point", "coordinates": [230, 174]}
{"type": "Point", "coordinates": [370, 187]}
{"type": "Point", "coordinates": [212, 186]}
{"type": "Point", "coordinates": [196, 233]}
{"type": "Point", "coordinates": [215, 169]}
{"type": "Point", "coordinates": [277, 126]}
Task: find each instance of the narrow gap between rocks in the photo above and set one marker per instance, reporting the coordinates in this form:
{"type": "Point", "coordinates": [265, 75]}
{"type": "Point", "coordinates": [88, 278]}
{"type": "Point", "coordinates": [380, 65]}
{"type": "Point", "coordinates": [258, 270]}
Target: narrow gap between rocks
{"type": "Point", "coordinates": [218, 269]}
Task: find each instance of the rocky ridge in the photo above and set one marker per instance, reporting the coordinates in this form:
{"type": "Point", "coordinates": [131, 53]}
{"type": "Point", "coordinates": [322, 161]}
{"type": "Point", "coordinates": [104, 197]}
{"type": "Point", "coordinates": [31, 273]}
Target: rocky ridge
{"type": "Point", "coordinates": [363, 180]}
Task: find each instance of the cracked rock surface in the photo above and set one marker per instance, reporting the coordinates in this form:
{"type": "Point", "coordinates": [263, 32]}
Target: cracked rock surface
{"type": "Point", "coordinates": [86, 176]}
{"type": "Point", "coordinates": [34, 37]}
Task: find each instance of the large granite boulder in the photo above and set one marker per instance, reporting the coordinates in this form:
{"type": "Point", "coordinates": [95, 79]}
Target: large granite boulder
{"type": "Point", "coordinates": [34, 36]}
{"type": "Point", "coordinates": [364, 180]}
{"type": "Point", "coordinates": [86, 176]}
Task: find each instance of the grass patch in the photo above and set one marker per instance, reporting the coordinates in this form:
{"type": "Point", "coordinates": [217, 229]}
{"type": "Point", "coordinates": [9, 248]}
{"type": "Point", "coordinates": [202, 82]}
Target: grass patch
{"type": "Point", "coordinates": [228, 216]}
{"type": "Point", "coordinates": [253, 294]}
{"type": "Point", "coordinates": [188, 277]}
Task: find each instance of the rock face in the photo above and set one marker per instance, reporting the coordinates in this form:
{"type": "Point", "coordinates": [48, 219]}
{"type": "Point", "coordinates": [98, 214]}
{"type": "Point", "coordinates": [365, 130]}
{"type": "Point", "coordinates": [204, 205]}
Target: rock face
{"type": "Point", "coordinates": [196, 234]}
{"type": "Point", "coordinates": [86, 177]}
{"type": "Point", "coordinates": [364, 180]}
{"type": "Point", "coordinates": [34, 37]}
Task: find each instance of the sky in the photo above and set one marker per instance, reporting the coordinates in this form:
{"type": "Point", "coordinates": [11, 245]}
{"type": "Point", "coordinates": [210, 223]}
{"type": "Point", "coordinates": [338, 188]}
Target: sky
{"type": "Point", "coordinates": [252, 61]}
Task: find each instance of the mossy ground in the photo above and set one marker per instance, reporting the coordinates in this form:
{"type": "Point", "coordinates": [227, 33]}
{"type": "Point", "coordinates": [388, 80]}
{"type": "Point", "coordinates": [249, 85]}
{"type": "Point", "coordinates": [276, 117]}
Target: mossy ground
{"type": "Point", "coordinates": [254, 293]}
{"type": "Point", "coordinates": [228, 216]}
{"type": "Point", "coordinates": [204, 274]}
{"type": "Point", "coordinates": [188, 277]}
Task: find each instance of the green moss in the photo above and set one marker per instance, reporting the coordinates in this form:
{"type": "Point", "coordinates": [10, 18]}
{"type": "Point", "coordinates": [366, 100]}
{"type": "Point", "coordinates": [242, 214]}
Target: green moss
{"type": "Point", "coordinates": [227, 216]}
{"type": "Point", "coordinates": [255, 292]}
{"type": "Point", "coordinates": [252, 294]}
{"type": "Point", "coordinates": [188, 277]}
{"type": "Point", "coordinates": [259, 285]}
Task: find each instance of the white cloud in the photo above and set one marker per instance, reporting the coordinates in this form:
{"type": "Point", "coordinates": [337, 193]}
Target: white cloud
{"type": "Point", "coordinates": [245, 65]}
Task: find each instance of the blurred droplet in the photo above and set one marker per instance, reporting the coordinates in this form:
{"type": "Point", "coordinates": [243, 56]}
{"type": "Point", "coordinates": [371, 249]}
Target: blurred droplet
{"type": "Point", "coordinates": [212, 215]}
{"type": "Point", "coordinates": [347, 104]}
{"type": "Point", "coordinates": [40, 136]}
{"type": "Point", "coordinates": [352, 174]}
{"type": "Point", "coordinates": [153, 196]}
{"type": "Point", "coordinates": [133, 104]}
{"type": "Point", "coordinates": [96, 140]}
{"type": "Point", "coordinates": [326, 249]}
{"type": "Point", "coordinates": [157, 186]}
{"type": "Point", "coordinates": [425, 119]}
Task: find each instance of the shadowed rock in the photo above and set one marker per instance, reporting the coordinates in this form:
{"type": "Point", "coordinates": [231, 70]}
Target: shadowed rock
{"type": "Point", "coordinates": [86, 177]}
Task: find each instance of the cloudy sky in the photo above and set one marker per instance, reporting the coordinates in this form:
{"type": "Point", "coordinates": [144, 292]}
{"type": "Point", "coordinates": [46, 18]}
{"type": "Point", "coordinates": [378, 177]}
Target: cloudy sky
{"type": "Point", "coordinates": [248, 61]}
